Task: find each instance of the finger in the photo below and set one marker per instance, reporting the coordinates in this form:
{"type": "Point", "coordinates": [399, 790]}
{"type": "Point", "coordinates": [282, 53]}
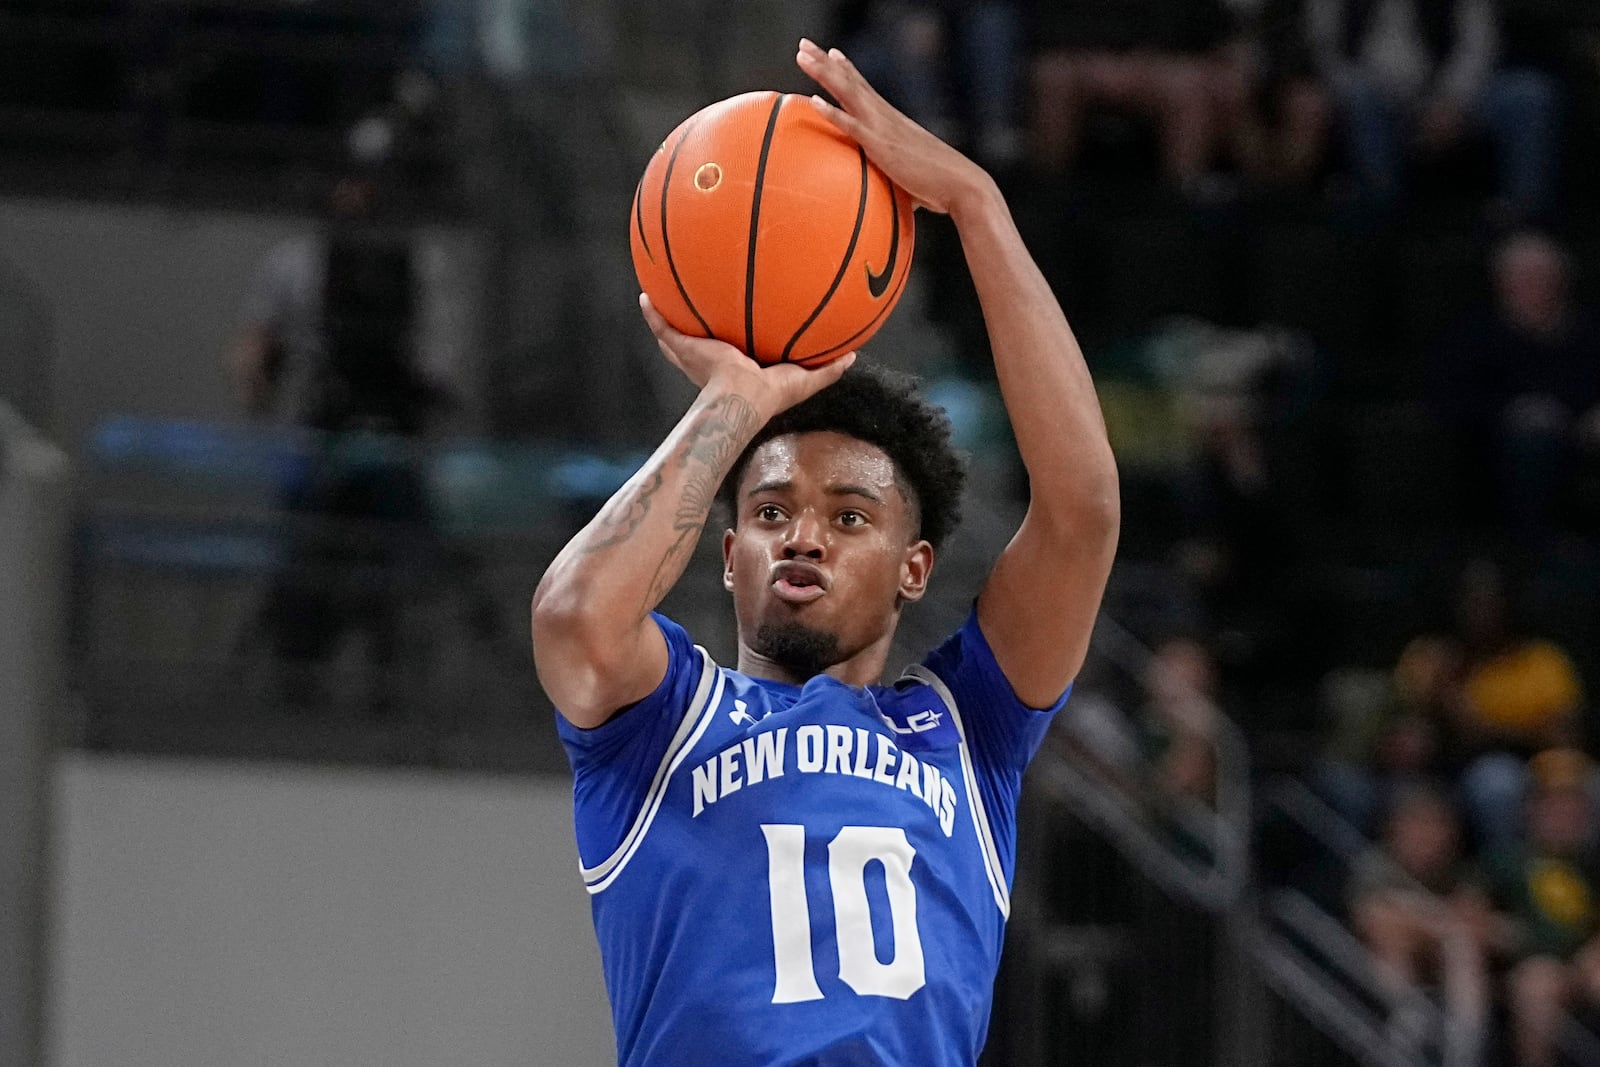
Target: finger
{"type": "Point", "coordinates": [658, 323]}
{"type": "Point", "coordinates": [833, 371]}
{"type": "Point", "coordinates": [664, 333]}
{"type": "Point", "coordinates": [831, 71]}
{"type": "Point", "coordinates": [652, 318]}
{"type": "Point", "coordinates": [846, 122]}
{"type": "Point", "coordinates": [831, 79]}
{"type": "Point", "coordinates": [853, 78]}
{"type": "Point", "coordinates": [812, 379]}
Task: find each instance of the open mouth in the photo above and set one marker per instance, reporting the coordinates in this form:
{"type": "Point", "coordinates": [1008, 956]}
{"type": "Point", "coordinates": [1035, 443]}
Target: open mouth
{"type": "Point", "coordinates": [798, 583]}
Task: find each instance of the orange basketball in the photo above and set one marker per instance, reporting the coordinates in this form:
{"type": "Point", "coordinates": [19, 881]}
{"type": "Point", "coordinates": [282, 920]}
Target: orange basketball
{"type": "Point", "coordinates": [757, 222]}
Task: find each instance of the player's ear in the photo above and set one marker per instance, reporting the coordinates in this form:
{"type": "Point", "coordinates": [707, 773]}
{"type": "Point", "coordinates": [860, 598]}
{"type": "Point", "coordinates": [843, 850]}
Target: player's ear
{"type": "Point", "coordinates": [727, 560]}
{"type": "Point", "coordinates": [915, 566]}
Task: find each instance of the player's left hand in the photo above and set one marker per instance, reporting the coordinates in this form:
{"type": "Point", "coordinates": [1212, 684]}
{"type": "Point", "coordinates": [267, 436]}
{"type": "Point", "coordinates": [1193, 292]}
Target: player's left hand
{"type": "Point", "coordinates": [935, 175]}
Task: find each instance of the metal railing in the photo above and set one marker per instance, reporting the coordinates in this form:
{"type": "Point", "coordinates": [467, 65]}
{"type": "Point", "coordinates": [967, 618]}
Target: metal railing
{"type": "Point", "coordinates": [1450, 1032]}
{"type": "Point", "coordinates": [204, 551]}
{"type": "Point", "coordinates": [1285, 973]}
{"type": "Point", "coordinates": [33, 569]}
{"type": "Point", "coordinates": [1155, 974]}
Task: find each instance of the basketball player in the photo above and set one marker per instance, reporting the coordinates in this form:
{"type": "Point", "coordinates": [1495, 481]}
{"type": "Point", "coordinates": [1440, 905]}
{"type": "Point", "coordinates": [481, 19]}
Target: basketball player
{"type": "Point", "coordinates": [789, 862]}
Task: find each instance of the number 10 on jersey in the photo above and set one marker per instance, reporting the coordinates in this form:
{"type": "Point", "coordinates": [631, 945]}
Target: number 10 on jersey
{"type": "Point", "coordinates": [859, 967]}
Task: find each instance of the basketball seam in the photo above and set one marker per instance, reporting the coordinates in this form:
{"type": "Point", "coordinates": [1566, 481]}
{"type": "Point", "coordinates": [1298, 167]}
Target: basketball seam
{"type": "Point", "coordinates": [844, 264]}
{"type": "Point", "coordinates": [638, 218]}
{"type": "Point", "coordinates": [666, 240]}
{"type": "Point", "coordinates": [755, 221]}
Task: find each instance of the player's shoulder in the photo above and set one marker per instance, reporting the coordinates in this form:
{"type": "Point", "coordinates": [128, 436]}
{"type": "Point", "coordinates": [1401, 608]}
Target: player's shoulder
{"type": "Point", "coordinates": [680, 642]}
{"type": "Point", "coordinates": [964, 654]}
{"type": "Point", "coordinates": [964, 665]}
{"type": "Point", "coordinates": [919, 709]}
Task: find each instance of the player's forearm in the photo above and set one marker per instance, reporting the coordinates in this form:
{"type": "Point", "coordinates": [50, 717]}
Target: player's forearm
{"type": "Point", "coordinates": [618, 568]}
{"type": "Point", "coordinates": [1048, 393]}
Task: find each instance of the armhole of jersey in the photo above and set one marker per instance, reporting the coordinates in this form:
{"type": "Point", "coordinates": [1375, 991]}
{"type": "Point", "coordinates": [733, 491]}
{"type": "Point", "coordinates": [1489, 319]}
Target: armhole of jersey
{"type": "Point", "coordinates": [701, 710]}
{"type": "Point", "coordinates": [980, 817]}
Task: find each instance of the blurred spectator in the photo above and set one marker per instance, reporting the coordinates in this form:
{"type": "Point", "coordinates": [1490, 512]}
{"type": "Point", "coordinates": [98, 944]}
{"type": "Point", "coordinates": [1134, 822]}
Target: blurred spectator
{"type": "Point", "coordinates": [1388, 731]}
{"type": "Point", "coordinates": [1410, 903]}
{"type": "Point", "coordinates": [1179, 720]}
{"type": "Point", "coordinates": [1516, 384]}
{"type": "Point", "coordinates": [1469, 706]}
{"type": "Point", "coordinates": [1275, 114]}
{"type": "Point", "coordinates": [1164, 754]}
{"type": "Point", "coordinates": [1176, 716]}
{"type": "Point", "coordinates": [1506, 695]}
{"type": "Point", "coordinates": [330, 341]}
{"type": "Point", "coordinates": [1425, 73]}
{"type": "Point", "coordinates": [1253, 511]}
{"type": "Point", "coordinates": [341, 328]}
{"type": "Point", "coordinates": [1546, 912]}
{"type": "Point", "coordinates": [1159, 61]}
{"type": "Point", "coordinates": [951, 66]}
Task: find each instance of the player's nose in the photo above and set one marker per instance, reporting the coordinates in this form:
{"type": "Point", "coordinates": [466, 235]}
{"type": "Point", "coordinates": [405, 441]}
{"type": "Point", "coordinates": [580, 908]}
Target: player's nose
{"type": "Point", "coordinates": [805, 537]}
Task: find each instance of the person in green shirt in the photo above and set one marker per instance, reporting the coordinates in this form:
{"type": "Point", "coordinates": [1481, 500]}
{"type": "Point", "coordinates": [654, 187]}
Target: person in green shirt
{"type": "Point", "coordinates": [1544, 892]}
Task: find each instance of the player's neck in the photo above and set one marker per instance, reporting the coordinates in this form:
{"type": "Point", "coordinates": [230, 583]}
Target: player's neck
{"type": "Point", "coordinates": [862, 669]}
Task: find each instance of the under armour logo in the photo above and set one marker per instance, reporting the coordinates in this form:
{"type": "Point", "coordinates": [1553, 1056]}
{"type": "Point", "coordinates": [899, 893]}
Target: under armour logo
{"type": "Point", "coordinates": [741, 714]}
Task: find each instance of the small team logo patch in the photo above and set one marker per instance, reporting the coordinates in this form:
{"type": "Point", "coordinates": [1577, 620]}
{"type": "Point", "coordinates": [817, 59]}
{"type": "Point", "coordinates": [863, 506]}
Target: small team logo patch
{"type": "Point", "coordinates": [919, 723]}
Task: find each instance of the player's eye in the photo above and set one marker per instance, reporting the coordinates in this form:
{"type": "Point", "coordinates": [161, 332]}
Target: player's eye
{"type": "Point", "coordinates": [769, 513]}
{"type": "Point", "coordinates": [852, 518]}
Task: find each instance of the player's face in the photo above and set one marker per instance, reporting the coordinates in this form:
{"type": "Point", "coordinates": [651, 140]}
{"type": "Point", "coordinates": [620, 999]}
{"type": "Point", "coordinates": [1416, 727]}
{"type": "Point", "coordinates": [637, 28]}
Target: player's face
{"type": "Point", "coordinates": [823, 551]}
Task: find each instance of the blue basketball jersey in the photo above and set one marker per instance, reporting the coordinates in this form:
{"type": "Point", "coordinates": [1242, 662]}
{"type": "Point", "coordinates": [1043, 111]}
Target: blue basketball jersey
{"type": "Point", "coordinates": [814, 874]}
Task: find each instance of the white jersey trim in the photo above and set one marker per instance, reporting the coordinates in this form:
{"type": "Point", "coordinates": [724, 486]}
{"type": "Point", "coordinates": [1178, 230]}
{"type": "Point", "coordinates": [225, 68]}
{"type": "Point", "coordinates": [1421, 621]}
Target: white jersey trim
{"type": "Point", "coordinates": [980, 817]}
{"type": "Point", "coordinates": [701, 710]}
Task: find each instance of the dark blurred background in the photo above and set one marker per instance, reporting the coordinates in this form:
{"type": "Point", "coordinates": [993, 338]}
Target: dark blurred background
{"type": "Point", "coordinates": [317, 340]}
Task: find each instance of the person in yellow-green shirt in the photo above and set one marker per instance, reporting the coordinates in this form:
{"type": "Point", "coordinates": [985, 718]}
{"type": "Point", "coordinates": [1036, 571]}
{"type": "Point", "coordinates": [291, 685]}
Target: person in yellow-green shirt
{"type": "Point", "coordinates": [1499, 695]}
{"type": "Point", "coordinates": [1541, 912]}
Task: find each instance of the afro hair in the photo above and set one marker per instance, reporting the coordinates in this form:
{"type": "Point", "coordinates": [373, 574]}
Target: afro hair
{"type": "Point", "coordinates": [885, 409]}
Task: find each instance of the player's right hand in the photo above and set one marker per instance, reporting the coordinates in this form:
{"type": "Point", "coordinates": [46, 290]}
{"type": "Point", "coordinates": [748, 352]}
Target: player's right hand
{"type": "Point", "coordinates": [707, 361]}
{"type": "Point", "coordinates": [937, 176]}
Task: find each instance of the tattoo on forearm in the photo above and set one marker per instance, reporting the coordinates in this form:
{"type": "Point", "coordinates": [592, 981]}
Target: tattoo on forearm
{"type": "Point", "coordinates": [670, 567]}
{"type": "Point", "coordinates": [712, 444]}
{"type": "Point", "coordinates": [713, 441]}
{"type": "Point", "coordinates": [623, 515]}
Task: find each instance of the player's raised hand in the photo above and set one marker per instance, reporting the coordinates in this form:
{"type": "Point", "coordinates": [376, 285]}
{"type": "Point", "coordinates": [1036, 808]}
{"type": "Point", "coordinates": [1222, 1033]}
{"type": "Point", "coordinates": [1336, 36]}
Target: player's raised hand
{"type": "Point", "coordinates": [935, 175]}
{"type": "Point", "coordinates": [704, 359]}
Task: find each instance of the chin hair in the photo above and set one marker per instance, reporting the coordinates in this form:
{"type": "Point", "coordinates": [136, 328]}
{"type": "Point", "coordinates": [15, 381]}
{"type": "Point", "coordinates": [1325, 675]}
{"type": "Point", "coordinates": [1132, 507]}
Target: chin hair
{"type": "Point", "coordinates": [797, 647]}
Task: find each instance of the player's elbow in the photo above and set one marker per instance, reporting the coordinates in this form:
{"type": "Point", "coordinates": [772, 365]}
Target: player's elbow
{"type": "Point", "coordinates": [1098, 523]}
{"type": "Point", "coordinates": [1080, 531]}
{"type": "Point", "coordinates": [1098, 499]}
{"type": "Point", "coordinates": [577, 654]}
{"type": "Point", "coordinates": [564, 620]}
{"type": "Point", "coordinates": [1103, 509]}
{"type": "Point", "coordinates": [553, 601]}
